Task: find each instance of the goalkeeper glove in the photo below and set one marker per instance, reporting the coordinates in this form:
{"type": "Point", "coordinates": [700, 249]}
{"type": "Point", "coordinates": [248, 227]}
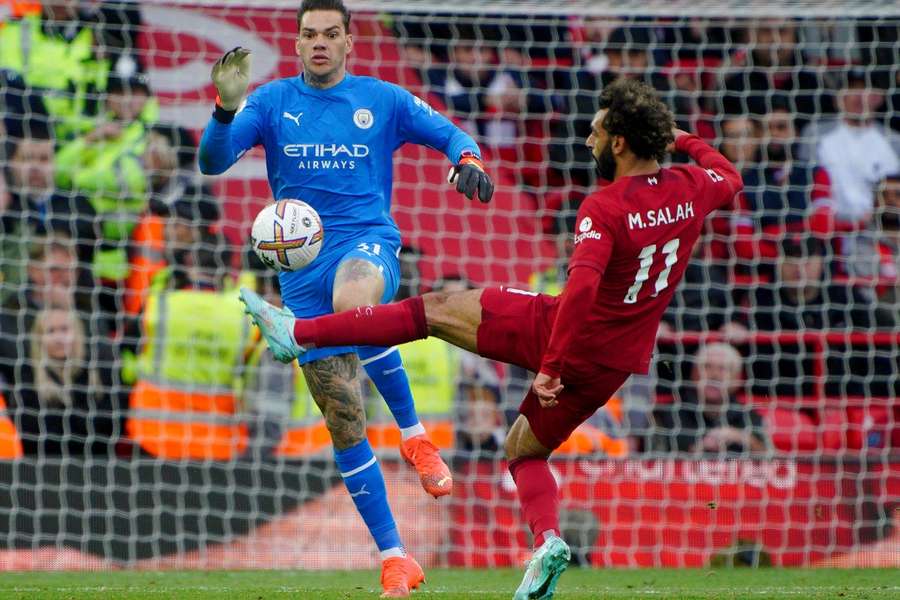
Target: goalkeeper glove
{"type": "Point", "coordinates": [231, 76]}
{"type": "Point", "coordinates": [469, 176]}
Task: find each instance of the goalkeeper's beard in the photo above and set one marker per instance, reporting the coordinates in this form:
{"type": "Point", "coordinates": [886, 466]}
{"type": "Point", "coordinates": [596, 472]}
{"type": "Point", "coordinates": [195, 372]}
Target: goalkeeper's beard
{"type": "Point", "coordinates": [606, 163]}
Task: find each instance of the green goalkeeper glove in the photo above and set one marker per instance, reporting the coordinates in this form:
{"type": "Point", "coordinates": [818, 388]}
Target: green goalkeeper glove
{"type": "Point", "coordinates": [231, 76]}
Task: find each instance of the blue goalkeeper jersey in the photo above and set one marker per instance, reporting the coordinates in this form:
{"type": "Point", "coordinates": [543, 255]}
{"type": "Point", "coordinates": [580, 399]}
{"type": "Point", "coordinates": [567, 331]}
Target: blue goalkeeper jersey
{"type": "Point", "coordinates": [333, 148]}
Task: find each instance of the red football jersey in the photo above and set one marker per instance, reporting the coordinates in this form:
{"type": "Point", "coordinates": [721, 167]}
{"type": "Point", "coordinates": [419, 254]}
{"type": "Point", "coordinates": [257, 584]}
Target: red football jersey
{"type": "Point", "coordinates": [635, 237]}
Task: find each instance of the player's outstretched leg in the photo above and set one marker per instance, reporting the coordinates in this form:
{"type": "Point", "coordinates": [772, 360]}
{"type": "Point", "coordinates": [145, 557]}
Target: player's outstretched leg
{"type": "Point", "coordinates": [385, 368]}
{"type": "Point", "coordinates": [452, 317]}
{"type": "Point", "coordinates": [275, 324]}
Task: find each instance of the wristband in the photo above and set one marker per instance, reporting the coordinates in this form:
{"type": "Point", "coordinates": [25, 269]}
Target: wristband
{"type": "Point", "coordinates": [470, 158]}
{"type": "Point", "coordinates": [222, 115]}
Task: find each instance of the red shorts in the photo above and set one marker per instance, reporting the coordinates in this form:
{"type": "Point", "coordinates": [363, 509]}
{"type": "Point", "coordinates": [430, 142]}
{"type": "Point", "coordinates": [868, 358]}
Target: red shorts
{"type": "Point", "coordinates": [515, 328]}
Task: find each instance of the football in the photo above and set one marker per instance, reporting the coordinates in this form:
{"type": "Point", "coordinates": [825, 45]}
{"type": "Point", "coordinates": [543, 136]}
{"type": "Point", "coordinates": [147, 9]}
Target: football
{"type": "Point", "coordinates": [287, 235]}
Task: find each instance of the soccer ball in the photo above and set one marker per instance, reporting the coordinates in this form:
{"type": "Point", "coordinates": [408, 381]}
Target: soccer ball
{"type": "Point", "coordinates": [287, 235]}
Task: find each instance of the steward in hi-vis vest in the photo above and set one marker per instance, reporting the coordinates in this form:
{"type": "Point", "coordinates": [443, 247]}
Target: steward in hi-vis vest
{"type": "Point", "coordinates": [194, 343]}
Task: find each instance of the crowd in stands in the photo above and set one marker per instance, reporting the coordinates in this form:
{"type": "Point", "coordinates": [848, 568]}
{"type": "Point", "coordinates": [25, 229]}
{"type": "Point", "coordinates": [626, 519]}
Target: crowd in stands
{"type": "Point", "coordinates": [119, 325]}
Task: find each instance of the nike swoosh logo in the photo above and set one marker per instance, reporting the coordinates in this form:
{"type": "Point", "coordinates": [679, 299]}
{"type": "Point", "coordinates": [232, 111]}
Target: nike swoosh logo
{"type": "Point", "coordinates": [443, 481]}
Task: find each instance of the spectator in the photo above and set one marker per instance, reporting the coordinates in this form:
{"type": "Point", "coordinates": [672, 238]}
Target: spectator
{"type": "Point", "coordinates": [625, 55]}
{"type": "Point", "coordinates": [683, 87]}
{"type": "Point", "coordinates": [480, 429]}
{"type": "Point", "coordinates": [185, 404]}
{"type": "Point", "coordinates": [36, 205]}
{"type": "Point", "coordinates": [874, 253]}
{"type": "Point", "coordinates": [707, 415]}
{"type": "Point", "coordinates": [595, 33]}
{"type": "Point", "coordinates": [87, 163]}
{"type": "Point", "coordinates": [740, 140]}
{"type": "Point", "coordinates": [800, 299]}
{"type": "Point", "coordinates": [781, 194]}
{"type": "Point", "coordinates": [61, 72]}
{"type": "Point", "coordinates": [105, 164]}
{"type": "Point", "coordinates": [170, 164]}
{"type": "Point", "coordinates": [462, 82]}
{"type": "Point", "coordinates": [414, 34]}
{"type": "Point", "coordinates": [494, 100]}
{"type": "Point", "coordinates": [165, 232]}
{"type": "Point", "coordinates": [692, 38]}
{"type": "Point", "coordinates": [775, 62]}
{"type": "Point", "coordinates": [13, 246]}
{"type": "Point", "coordinates": [65, 395]}
{"type": "Point", "coordinates": [51, 281]}
{"type": "Point", "coordinates": [857, 152]}
{"type": "Point", "coordinates": [116, 24]}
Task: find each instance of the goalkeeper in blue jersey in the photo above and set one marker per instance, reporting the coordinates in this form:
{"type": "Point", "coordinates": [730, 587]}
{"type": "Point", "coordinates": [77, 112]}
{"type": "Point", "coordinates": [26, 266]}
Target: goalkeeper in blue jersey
{"type": "Point", "coordinates": [329, 138]}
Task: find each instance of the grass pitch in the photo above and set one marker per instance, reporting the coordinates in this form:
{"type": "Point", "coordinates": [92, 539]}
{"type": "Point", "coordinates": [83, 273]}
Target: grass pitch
{"type": "Point", "coordinates": [581, 584]}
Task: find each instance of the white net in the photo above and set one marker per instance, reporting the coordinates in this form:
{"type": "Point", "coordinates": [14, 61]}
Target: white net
{"type": "Point", "coordinates": [767, 433]}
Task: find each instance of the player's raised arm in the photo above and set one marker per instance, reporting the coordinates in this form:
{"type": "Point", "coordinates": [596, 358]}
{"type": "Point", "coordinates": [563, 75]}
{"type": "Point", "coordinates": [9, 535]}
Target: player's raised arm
{"type": "Point", "coordinates": [229, 134]}
{"type": "Point", "coordinates": [421, 124]}
{"type": "Point", "coordinates": [724, 179]}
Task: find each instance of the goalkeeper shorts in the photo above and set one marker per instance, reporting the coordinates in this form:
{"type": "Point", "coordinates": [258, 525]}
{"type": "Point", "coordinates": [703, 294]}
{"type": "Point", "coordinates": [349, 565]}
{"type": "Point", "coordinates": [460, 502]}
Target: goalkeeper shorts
{"type": "Point", "coordinates": [308, 292]}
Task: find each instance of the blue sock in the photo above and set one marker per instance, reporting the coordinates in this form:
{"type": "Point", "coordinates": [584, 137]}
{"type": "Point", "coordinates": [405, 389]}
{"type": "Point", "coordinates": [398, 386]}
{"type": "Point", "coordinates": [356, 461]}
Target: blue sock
{"type": "Point", "coordinates": [385, 368]}
{"type": "Point", "coordinates": [364, 481]}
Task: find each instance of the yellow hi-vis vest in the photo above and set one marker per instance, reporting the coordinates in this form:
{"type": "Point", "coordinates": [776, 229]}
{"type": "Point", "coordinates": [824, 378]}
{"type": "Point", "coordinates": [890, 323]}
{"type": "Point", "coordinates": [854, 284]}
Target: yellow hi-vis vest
{"type": "Point", "coordinates": [432, 366]}
{"type": "Point", "coordinates": [184, 405]}
{"type": "Point", "coordinates": [111, 174]}
{"type": "Point", "coordinates": [546, 282]}
{"type": "Point", "coordinates": [63, 70]}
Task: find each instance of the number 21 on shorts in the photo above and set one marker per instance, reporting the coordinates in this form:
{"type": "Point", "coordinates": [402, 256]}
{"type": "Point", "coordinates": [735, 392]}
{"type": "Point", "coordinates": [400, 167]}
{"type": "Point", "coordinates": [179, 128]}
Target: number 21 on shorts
{"type": "Point", "coordinates": [670, 251]}
{"type": "Point", "coordinates": [371, 249]}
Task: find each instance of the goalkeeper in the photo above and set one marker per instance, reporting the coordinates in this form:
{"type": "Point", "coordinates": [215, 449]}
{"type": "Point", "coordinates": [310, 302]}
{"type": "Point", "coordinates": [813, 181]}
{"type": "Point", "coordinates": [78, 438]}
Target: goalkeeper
{"type": "Point", "coordinates": [329, 137]}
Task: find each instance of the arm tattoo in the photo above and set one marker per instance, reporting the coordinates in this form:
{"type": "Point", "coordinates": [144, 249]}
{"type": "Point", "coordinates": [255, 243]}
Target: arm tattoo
{"type": "Point", "coordinates": [335, 388]}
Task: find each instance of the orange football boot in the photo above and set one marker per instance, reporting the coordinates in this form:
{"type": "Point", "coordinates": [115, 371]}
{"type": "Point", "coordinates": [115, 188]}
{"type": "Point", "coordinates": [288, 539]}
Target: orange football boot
{"type": "Point", "coordinates": [424, 456]}
{"type": "Point", "coordinates": [399, 576]}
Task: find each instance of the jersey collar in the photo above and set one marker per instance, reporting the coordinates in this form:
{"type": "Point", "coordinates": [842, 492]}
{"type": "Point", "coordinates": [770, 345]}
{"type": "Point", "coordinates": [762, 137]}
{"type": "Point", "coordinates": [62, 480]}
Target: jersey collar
{"type": "Point", "coordinates": [301, 83]}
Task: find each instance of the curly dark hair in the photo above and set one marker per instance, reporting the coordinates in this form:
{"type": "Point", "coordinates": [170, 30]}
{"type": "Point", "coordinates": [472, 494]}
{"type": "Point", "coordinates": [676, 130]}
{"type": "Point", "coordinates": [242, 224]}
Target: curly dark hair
{"type": "Point", "coordinates": [337, 5]}
{"type": "Point", "coordinates": [634, 111]}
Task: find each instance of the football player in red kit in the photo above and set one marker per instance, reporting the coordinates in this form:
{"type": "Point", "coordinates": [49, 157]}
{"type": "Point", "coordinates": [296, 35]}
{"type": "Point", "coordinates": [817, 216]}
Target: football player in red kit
{"type": "Point", "coordinates": [633, 240]}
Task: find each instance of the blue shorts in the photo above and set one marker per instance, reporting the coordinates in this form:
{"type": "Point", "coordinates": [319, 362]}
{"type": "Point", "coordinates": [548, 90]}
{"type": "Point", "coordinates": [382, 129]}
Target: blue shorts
{"type": "Point", "coordinates": [308, 292]}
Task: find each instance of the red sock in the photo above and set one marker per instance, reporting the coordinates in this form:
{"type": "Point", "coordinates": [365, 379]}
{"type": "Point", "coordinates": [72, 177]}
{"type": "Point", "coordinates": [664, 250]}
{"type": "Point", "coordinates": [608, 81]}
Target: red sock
{"type": "Point", "coordinates": [382, 325]}
{"type": "Point", "coordinates": [538, 494]}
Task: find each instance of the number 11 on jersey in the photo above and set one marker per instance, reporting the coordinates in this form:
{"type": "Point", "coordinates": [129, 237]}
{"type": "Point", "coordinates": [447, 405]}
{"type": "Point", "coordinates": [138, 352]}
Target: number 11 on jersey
{"type": "Point", "coordinates": [670, 250]}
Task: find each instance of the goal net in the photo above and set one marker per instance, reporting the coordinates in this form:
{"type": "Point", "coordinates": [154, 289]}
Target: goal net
{"type": "Point", "coordinates": [144, 424]}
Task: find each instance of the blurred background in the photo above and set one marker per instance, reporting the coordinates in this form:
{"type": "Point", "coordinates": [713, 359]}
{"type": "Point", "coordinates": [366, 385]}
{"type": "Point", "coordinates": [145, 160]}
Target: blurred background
{"type": "Point", "coordinates": [767, 433]}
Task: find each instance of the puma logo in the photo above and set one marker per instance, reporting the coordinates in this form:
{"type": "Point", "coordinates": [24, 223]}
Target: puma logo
{"type": "Point", "coordinates": [296, 119]}
{"type": "Point", "coordinates": [361, 491]}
